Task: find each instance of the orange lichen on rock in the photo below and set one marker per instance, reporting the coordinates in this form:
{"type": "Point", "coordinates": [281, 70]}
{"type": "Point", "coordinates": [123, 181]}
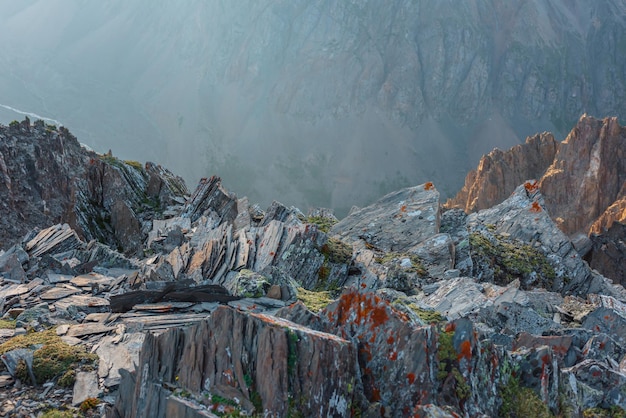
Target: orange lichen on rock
{"type": "Point", "coordinates": [465, 351]}
{"type": "Point", "coordinates": [535, 207]}
{"type": "Point", "coordinates": [531, 186]}
{"type": "Point", "coordinates": [450, 326]}
{"type": "Point", "coordinates": [367, 306]}
{"type": "Point", "coordinates": [429, 186]}
{"type": "Point", "coordinates": [411, 377]}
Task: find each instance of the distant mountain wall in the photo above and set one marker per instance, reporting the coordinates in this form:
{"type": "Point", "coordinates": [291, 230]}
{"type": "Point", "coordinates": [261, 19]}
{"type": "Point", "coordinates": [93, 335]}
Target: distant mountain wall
{"type": "Point", "coordinates": [314, 102]}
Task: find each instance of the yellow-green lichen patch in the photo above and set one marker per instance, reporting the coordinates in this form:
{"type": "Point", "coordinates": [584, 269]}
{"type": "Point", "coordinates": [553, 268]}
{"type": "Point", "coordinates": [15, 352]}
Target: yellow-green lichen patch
{"type": "Point", "coordinates": [518, 401]}
{"type": "Point", "coordinates": [613, 412]}
{"type": "Point", "coordinates": [510, 259]}
{"type": "Point", "coordinates": [323, 223]}
{"type": "Point", "coordinates": [53, 358]}
{"type": "Point", "coordinates": [135, 164]}
{"type": "Point", "coordinates": [428, 316]}
{"type": "Point", "coordinates": [7, 324]}
{"type": "Point", "coordinates": [315, 301]}
{"type": "Point", "coordinates": [416, 262]}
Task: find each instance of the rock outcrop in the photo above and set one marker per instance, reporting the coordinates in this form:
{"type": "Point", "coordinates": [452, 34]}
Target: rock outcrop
{"type": "Point", "coordinates": [582, 179]}
{"type": "Point", "coordinates": [500, 172]}
{"type": "Point", "coordinates": [399, 309]}
{"type": "Point", "coordinates": [303, 102]}
{"type": "Point", "coordinates": [48, 177]}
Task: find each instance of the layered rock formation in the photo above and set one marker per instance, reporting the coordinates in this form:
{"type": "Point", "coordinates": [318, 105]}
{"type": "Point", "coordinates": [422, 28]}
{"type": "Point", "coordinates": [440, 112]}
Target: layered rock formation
{"type": "Point", "coordinates": [48, 177]}
{"type": "Point", "coordinates": [400, 309]}
{"type": "Point", "coordinates": [582, 179]}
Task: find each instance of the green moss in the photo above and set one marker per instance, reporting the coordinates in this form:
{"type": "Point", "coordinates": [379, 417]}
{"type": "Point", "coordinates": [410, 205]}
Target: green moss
{"type": "Point", "coordinates": [613, 412]}
{"type": "Point", "coordinates": [135, 164]}
{"type": "Point", "coordinates": [334, 252]}
{"type": "Point", "coordinates": [14, 124]}
{"type": "Point", "coordinates": [448, 362]}
{"type": "Point", "coordinates": [292, 357]}
{"type": "Point", "coordinates": [68, 379]}
{"type": "Point", "coordinates": [511, 260]}
{"type": "Point", "coordinates": [446, 354]}
{"type": "Point", "coordinates": [416, 262]}
{"type": "Point", "coordinates": [53, 359]}
{"type": "Point", "coordinates": [521, 402]}
{"type": "Point", "coordinates": [463, 390]}
{"type": "Point", "coordinates": [56, 413]}
{"type": "Point", "coordinates": [222, 400]}
{"type": "Point", "coordinates": [323, 223]}
{"type": "Point", "coordinates": [7, 324]}
{"type": "Point", "coordinates": [256, 400]}
{"type": "Point", "coordinates": [315, 301]}
{"type": "Point", "coordinates": [337, 251]}
{"type": "Point", "coordinates": [426, 315]}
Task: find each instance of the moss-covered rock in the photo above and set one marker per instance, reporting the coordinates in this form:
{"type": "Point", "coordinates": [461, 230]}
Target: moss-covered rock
{"type": "Point", "coordinates": [315, 301]}
{"type": "Point", "coordinates": [7, 324]}
{"type": "Point", "coordinates": [521, 402]}
{"type": "Point", "coordinates": [323, 223]}
{"type": "Point", "coordinates": [502, 260]}
{"type": "Point", "coordinates": [53, 358]}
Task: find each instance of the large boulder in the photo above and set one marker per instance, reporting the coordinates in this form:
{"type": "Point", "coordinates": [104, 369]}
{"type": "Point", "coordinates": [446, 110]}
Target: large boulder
{"type": "Point", "coordinates": [269, 364]}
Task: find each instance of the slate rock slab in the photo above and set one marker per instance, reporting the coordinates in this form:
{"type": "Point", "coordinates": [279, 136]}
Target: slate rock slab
{"type": "Point", "coordinates": [396, 222]}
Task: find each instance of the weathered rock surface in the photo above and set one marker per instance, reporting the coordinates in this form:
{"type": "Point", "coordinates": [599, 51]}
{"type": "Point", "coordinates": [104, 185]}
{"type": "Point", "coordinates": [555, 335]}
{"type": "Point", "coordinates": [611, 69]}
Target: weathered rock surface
{"type": "Point", "coordinates": [268, 364]}
{"type": "Point", "coordinates": [608, 252]}
{"type": "Point", "coordinates": [402, 310]}
{"type": "Point", "coordinates": [48, 177]}
{"type": "Point", "coordinates": [522, 218]}
{"type": "Point", "coordinates": [396, 222]}
{"type": "Point", "coordinates": [500, 172]}
{"type": "Point", "coordinates": [582, 179]}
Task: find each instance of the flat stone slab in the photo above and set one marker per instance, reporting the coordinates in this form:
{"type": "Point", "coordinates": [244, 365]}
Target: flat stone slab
{"type": "Point", "coordinates": [86, 386]}
{"type": "Point", "coordinates": [88, 280]}
{"type": "Point", "coordinates": [118, 355]}
{"type": "Point", "coordinates": [83, 303]}
{"type": "Point", "coordinates": [396, 222]}
{"type": "Point", "coordinates": [14, 290]}
{"type": "Point", "coordinates": [57, 293]}
{"type": "Point", "coordinates": [81, 330]}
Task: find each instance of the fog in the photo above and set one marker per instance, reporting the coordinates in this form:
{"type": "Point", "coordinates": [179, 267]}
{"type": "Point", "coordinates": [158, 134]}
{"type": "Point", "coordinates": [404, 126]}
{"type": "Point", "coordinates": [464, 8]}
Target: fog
{"type": "Point", "coordinates": [312, 102]}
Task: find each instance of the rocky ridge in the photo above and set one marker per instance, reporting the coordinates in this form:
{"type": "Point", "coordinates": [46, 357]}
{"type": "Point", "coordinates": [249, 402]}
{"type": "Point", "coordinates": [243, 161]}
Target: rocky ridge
{"type": "Point", "coordinates": [582, 179]}
{"type": "Point", "coordinates": [48, 177]}
{"type": "Point", "coordinates": [399, 309]}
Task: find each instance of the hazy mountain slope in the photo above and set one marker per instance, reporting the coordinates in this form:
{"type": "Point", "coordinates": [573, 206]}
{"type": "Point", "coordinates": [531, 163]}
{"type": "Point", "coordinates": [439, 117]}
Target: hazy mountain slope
{"type": "Point", "coordinates": [313, 102]}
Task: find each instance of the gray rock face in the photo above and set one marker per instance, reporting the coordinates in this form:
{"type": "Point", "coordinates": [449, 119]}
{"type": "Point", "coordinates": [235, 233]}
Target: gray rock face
{"type": "Point", "coordinates": [223, 356]}
{"type": "Point", "coordinates": [523, 217]}
{"type": "Point", "coordinates": [101, 197]}
{"type": "Point", "coordinates": [396, 222]}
